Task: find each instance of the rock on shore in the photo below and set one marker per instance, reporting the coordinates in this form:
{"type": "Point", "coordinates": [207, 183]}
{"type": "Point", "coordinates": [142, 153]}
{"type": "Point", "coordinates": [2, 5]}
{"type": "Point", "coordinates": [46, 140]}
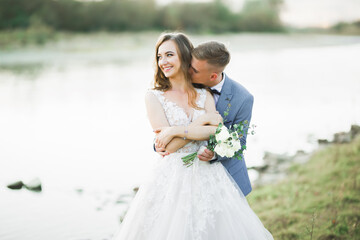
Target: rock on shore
{"type": "Point", "coordinates": [33, 185]}
{"type": "Point", "coordinates": [16, 185]}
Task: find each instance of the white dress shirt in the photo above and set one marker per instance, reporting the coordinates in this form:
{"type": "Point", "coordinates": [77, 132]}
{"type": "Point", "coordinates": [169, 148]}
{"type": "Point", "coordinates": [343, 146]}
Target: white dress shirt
{"type": "Point", "coordinates": [218, 87]}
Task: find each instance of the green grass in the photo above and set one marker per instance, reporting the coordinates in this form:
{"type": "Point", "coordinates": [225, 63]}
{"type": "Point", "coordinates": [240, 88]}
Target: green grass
{"type": "Point", "coordinates": [319, 200]}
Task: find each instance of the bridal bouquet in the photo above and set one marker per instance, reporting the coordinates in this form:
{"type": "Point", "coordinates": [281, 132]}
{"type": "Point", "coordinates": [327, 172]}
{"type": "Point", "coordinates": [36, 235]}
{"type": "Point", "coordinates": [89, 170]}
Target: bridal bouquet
{"type": "Point", "coordinates": [225, 142]}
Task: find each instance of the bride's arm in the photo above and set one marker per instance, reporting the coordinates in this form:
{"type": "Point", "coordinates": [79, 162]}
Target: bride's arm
{"type": "Point", "coordinates": [155, 111]}
{"type": "Point", "coordinates": [200, 129]}
{"type": "Point", "coordinates": [177, 143]}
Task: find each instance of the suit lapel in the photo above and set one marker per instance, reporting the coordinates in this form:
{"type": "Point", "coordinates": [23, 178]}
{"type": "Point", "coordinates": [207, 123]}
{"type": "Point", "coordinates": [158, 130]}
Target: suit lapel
{"type": "Point", "coordinates": [225, 96]}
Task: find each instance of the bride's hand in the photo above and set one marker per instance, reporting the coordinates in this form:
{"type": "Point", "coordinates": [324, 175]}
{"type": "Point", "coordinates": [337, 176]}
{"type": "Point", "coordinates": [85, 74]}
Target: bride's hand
{"type": "Point", "coordinates": [163, 136]}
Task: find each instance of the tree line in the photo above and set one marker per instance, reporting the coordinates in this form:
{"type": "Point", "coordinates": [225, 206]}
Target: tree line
{"type": "Point", "coordinates": [139, 15]}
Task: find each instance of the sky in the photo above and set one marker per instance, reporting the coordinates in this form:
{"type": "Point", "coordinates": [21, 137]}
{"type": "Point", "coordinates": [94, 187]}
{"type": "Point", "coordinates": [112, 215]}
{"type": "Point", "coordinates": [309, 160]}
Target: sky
{"type": "Point", "coordinates": [306, 13]}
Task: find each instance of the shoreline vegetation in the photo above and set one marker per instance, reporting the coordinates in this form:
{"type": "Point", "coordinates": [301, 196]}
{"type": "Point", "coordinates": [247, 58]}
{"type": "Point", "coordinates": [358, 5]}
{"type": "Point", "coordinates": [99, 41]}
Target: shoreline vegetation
{"type": "Point", "coordinates": [38, 22]}
{"type": "Point", "coordinates": [318, 199]}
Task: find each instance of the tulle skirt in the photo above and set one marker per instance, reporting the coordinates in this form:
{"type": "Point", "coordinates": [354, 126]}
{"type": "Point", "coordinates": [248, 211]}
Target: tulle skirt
{"type": "Point", "coordinates": [200, 202]}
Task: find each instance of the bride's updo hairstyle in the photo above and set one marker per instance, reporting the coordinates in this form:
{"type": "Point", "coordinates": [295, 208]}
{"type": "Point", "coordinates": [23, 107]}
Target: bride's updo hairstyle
{"type": "Point", "coordinates": [184, 48]}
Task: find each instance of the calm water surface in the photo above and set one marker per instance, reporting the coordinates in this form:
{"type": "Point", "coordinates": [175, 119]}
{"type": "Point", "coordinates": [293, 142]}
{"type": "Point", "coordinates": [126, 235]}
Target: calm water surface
{"type": "Point", "coordinates": [72, 114]}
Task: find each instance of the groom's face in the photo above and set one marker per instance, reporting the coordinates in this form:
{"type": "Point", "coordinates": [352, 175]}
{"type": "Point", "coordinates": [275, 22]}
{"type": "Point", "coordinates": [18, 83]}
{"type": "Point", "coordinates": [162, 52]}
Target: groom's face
{"type": "Point", "coordinates": [200, 72]}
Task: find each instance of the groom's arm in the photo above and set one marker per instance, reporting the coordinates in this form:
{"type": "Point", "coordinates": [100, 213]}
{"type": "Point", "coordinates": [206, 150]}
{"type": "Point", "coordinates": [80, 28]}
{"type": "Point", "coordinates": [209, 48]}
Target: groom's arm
{"type": "Point", "coordinates": [244, 114]}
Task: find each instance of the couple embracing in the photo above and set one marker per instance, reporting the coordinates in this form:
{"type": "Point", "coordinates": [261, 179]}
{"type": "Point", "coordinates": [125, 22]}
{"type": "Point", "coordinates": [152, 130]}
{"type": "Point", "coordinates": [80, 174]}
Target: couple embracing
{"type": "Point", "coordinates": [205, 201]}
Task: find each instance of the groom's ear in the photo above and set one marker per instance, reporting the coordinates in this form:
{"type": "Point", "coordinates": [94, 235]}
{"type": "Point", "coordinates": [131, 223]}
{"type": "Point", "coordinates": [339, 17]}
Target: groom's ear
{"type": "Point", "coordinates": [213, 76]}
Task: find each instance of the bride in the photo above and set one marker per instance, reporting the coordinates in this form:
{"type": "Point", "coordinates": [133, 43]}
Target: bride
{"type": "Point", "coordinates": [200, 202]}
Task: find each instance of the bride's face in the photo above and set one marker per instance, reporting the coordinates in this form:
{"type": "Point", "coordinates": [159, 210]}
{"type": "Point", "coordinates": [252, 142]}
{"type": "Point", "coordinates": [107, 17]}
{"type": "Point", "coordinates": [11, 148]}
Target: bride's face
{"type": "Point", "coordinates": [168, 59]}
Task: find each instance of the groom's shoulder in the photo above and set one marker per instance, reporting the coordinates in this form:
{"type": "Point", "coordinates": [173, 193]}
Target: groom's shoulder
{"type": "Point", "coordinates": [238, 88]}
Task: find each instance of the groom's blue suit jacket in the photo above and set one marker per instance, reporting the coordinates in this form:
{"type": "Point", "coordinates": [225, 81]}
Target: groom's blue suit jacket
{"type": "Point", "coordinates": [241, 108]}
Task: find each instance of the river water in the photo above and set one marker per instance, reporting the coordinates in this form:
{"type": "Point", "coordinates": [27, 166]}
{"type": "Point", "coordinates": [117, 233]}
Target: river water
{"type": "Point", "coordinates": [72, 114]}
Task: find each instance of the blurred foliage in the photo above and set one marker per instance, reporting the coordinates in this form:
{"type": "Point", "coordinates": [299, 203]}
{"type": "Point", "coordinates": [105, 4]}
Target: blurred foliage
{"type": "Point", "coordinates": [318, 200]}
{"type": "Point", "coordinates": [37, 33]}
{"type": "Point", "coordinates": [137, 15]}
{"type": "Point", "coordinates": [347, 28]}
{"type": "Point", "coordinates": [260, 16]}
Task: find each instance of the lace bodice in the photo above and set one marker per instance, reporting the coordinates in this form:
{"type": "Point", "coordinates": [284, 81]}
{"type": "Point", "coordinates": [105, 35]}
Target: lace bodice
{"type": "Point", "coordinates": [177, 116]}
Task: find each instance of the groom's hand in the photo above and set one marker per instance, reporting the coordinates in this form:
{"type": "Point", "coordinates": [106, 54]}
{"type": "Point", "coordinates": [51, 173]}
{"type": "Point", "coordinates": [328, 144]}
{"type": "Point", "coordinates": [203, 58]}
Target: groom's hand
{"type": "Point", "coordinates": [207, 155]}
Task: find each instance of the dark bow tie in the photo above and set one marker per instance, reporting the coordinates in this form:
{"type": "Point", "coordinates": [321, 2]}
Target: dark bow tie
{"type": "Point", "coordinates": [214, 91]}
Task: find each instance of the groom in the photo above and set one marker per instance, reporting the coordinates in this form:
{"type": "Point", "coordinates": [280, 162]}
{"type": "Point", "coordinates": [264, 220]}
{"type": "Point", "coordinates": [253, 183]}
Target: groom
{"type": "Point", "coordinates": [207, 66]}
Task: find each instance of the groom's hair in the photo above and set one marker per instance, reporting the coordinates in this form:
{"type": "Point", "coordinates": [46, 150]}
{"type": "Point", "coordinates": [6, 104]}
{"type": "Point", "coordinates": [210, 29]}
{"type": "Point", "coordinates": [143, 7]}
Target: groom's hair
{"type": "Point", "coordinates": [215, 53]}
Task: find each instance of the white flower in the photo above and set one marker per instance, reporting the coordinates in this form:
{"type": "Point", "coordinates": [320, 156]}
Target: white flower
{"type": "Point", "coordinates": [224, 150]}
{"type": "Point", "coordinates": [229, 143]}
{"type": "Point", "coordinates": [236, 144]}
{"type": "Point", "coordinates": [220, 149]}
{"type": "Point", "coordinates": [229, 152]}
{"type": "Point", "coordinates": [223, 135]}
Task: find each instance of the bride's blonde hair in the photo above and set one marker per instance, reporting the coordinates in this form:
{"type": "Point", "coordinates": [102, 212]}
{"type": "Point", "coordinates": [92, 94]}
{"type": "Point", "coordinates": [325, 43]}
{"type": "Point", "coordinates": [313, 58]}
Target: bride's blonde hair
{"type": "Point", "coordinates": [184, 48]}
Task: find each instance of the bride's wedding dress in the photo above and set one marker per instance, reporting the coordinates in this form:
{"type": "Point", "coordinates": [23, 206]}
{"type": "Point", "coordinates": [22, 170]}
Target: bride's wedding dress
{"type": "Point", "coordinates": [200, 202]}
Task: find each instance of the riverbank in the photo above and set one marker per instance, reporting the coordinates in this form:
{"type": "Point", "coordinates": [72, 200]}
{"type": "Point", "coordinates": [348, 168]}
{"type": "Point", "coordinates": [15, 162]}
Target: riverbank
{"type": "Point", "coordinates": [276, 166]}
{"type": "Point", "coordinates": [48, 39]}
{"type": "Point", "coordinates": [317, 200]}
